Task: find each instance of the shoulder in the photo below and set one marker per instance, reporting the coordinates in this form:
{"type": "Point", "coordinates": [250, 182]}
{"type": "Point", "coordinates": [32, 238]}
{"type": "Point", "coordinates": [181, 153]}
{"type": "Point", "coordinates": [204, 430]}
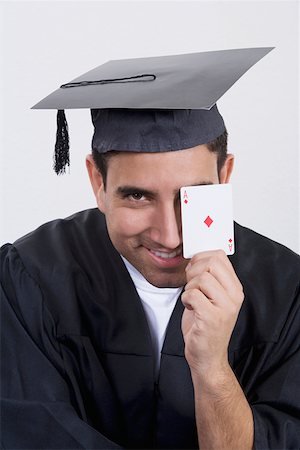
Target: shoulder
{"type": "Point", "coordinates": [64, 266]}
{"type": "Point", "coordinates": [65, 249]}
{"type": "Point", "coordinates": [260, 256]}
{"type": "Point", "coordinates": [270, 275]}
{"type": "Point", "coordinates": [62, 249]}
{"type": "Point", "coordinates": [63, 242]}
{"type": "Point", "coordinates": [56, 243]}
{"type": "Point", "coordinates": [63, 230]}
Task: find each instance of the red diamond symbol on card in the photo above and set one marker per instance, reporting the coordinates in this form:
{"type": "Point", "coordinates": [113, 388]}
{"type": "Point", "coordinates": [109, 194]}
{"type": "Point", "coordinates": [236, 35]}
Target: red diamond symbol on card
{"type": "Point", "coordinates": [230, 240]}
{"type": "Point", "coordinates": [208, 221]}
{"type": "Point", "coordinates": [185, 201]}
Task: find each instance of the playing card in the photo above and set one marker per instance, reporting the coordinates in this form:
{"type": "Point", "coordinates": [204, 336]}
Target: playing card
{"type": "Point", "coordinates": [207, 219]}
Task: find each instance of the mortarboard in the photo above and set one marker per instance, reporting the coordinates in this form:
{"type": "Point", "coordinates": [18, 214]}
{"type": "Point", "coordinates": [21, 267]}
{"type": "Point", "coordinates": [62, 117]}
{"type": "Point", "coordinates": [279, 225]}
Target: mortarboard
{"type": "Point", "coordinates": [151, 104]}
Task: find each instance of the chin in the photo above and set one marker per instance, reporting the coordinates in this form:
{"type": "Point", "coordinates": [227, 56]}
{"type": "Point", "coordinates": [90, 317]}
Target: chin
{"type": "Point", "coordinates": [159, 277]}
{"type": "Point", "coordinates": [165, 281]}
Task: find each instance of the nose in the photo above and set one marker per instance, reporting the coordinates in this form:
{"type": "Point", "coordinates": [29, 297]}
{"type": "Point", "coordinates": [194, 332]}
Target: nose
{"type": "Point", "coordinates": [166, 230]}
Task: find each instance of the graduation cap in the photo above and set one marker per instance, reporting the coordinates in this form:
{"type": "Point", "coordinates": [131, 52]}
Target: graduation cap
{"type": "Point", "coordinates": [152, 104]}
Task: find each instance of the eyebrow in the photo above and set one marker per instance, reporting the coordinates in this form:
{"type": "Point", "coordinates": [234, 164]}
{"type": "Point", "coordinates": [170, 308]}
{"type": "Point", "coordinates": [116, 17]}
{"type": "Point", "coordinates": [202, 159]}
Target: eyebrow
{"type": "Point", "coordinates": [127, 190]}
{"type": "Point", "coordinates": [202, 183]}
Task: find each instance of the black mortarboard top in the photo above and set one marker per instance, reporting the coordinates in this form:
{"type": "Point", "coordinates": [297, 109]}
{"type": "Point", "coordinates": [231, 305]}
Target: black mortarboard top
{"type": "Point", "coordinates": [151, 104]}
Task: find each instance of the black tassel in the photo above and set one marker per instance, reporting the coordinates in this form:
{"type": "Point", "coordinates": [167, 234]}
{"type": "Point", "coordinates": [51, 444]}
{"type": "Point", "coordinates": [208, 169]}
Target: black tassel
{"type": "Point", "coordinates": [61, 154]}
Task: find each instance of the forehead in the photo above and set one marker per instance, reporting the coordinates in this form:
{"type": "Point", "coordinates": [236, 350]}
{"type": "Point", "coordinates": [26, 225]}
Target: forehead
{"type": "Point", "coordinates": [180, 168]}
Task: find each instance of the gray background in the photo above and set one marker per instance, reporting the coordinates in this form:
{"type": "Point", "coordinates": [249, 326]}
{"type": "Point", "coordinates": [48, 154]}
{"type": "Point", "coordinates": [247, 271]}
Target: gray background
{"type": "Point", "coordinates": [45, 44]}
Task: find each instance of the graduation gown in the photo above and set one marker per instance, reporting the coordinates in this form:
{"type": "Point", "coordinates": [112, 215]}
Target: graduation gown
{"type": "Point", "coordinates": [77, 362]}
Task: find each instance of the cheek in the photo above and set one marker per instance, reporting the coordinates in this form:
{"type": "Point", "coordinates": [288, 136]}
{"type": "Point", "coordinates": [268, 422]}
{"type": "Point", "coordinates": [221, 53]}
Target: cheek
{"type": "Point", "coordinates": [127, 222]}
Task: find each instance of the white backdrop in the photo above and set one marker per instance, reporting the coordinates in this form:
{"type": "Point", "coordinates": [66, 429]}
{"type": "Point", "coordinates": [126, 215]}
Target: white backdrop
{"type": "Point", "coordinates": [47, 43]}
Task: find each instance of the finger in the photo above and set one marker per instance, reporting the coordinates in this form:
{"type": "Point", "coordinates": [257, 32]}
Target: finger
{"type": "Point", "coordinates": [210, 287]}
{"type": "Point", "coordinates": [211, 261]}
{"type": "Point", "coordinates": [218, 264]}
{"type": "Point", "coordinates": [195, 300]}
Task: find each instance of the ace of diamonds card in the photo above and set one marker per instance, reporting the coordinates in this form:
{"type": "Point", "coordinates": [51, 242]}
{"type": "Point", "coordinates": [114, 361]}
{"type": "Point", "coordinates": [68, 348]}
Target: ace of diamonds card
{"type": "Point", "coordinates": [207, 219]}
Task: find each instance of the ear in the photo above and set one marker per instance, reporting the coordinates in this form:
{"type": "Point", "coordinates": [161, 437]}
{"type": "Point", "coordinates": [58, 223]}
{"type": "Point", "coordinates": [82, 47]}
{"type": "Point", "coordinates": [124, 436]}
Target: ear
{"type": "Point", "coordinates": [226, 171]}
{"type": "Point", "coordinates": [96, 182]}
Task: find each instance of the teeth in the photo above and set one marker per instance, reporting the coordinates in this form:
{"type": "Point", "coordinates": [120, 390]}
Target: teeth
{"type": "Point", "coordinates": [166, 255]}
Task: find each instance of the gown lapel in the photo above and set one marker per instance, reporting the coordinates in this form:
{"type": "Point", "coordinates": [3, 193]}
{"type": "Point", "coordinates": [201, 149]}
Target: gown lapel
{"type": "Point", "coordinates": [175, 395]}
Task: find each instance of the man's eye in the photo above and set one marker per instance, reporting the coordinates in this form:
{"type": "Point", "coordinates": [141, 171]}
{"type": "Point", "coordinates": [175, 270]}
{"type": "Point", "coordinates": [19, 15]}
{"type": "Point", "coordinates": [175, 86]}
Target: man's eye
{"type": "Point", "coordinates": [137, 196]}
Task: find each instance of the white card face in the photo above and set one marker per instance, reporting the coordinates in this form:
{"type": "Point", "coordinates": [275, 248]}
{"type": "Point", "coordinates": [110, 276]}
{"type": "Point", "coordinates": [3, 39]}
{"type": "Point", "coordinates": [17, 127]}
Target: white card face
{"type": "Point", "coordinates": [207, 219]}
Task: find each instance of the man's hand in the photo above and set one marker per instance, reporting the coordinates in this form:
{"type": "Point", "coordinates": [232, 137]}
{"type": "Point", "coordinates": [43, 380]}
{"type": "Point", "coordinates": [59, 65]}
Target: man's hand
{"type": "Point", "coordinates": [213, 297]}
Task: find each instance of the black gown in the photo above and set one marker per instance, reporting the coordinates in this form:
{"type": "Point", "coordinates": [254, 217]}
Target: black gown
{"type": "Point", "coordinates": [78, 368]}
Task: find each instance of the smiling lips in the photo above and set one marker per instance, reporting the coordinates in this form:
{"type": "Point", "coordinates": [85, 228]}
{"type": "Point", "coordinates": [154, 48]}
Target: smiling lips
{"type": "Point", "coordinates": [166, 255]}
{"type": "Point", "coordinates": [166, 259]}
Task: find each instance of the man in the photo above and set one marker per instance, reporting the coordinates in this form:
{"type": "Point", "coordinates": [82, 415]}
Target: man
{"type": "Point", "coordinates": [111, 338]}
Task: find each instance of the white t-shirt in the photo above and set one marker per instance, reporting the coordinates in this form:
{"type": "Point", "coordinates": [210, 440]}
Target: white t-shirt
{"type": "Point", "coordinates": [158, 304]}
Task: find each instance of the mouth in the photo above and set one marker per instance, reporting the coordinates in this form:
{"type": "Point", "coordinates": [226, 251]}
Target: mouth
{"type": "Point", "coordinates": [166, 259]}
{"type": "Point", "coordinates": [166, 255]}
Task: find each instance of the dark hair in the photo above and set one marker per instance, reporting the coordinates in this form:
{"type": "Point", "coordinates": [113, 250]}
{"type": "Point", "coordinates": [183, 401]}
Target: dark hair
{"type": "Point", "coordinates": [218, 146]}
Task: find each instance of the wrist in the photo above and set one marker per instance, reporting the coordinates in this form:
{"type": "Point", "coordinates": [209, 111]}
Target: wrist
{"type": "Point", "coordinates": [212, 377]}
